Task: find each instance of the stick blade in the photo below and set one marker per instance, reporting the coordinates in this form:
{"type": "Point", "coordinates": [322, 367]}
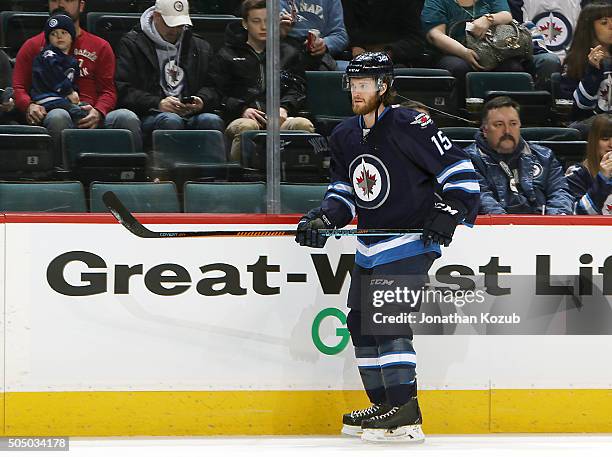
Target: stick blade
{"type": "Point", "coordinates": [123, 215]}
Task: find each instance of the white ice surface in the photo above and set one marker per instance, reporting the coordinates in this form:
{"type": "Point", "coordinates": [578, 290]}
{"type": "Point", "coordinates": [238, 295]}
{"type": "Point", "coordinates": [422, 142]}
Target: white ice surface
{"type": "Point", "coordinates": [439, 445]}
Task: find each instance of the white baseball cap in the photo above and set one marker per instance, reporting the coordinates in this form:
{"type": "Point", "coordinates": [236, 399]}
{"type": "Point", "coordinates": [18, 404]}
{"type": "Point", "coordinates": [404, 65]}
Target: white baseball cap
{"type": "Point", "coordinates": [174, 12]}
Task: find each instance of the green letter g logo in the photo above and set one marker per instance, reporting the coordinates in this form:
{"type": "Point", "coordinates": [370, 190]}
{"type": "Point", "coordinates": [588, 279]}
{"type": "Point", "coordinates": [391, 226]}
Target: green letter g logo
{"type": "Point", "coordinates": [342, 332]}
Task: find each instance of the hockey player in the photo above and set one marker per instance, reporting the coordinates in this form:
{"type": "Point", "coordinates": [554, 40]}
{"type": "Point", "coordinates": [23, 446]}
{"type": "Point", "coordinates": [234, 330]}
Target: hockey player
{"type": "Point", "coordinates": [394, 169]}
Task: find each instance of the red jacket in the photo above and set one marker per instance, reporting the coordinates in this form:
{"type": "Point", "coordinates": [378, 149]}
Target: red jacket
{"type": "Point", "coordinates": [97, 77]}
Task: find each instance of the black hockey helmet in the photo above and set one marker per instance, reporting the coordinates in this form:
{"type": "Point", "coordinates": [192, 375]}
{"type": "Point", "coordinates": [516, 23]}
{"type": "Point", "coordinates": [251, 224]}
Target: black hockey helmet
{"type": "Point", "coordinates": [377, 65]}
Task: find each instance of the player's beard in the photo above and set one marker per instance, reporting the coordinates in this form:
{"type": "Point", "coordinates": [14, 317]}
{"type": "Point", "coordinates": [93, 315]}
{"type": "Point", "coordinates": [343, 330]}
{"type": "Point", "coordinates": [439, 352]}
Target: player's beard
{"type": "Point", "coordinates": [368, 106]}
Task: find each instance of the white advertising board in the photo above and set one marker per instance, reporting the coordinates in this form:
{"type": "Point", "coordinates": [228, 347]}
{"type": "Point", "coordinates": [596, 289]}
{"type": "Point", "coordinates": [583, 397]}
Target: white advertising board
{"type": "Point", "coordinates": [92, 307]}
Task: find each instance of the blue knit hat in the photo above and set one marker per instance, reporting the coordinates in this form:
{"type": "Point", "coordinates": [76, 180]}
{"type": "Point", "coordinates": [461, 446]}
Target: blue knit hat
{"type": "Point", "coordinates": [60, 21]}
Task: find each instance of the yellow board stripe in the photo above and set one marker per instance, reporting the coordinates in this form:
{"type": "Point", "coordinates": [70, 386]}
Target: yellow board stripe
{"type": "Point", "coordinates": [295, 412]}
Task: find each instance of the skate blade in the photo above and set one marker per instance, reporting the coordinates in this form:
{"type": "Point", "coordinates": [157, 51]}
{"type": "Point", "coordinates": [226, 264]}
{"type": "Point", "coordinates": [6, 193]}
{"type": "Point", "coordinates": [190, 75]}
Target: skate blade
{"type": "Point", "coordinates": [407, 434]}
{"type": "Point", "coordinates": [351, 430]}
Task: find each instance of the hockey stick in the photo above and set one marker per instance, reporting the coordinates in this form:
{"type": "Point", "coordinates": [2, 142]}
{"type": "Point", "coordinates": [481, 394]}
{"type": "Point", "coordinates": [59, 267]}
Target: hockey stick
{"type": "Point", "coordinates": [123, 215]}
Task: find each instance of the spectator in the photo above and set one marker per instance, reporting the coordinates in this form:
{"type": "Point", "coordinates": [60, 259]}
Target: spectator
{"type": "Point", "coordinates": [515, 176]}
{"type": "Point", "coordinates": [442, 24]}
{"type": "Point", "coordinates": [55, 71]}
{"type": "Point", "coordinates": [239, 71]}
{"type": "Point", "coordinates": [391, 26]}
{"type": "Point", "coordinates": [7, 103]}
{"type": "Point", "coordinates": [587, 78]}
{"type": "Point", "coordinates": [591, 181]}
{"type": "Point", "coordinates": [163, 72]}
{"type": "Point", "coordinates": [326, 16]}
{"type": "Point", "coordinates": [544, 63]}
{"type": "Point", "coordinates": [96, 83]}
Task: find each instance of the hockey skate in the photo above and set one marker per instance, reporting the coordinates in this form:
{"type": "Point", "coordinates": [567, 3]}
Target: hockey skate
{"type": "Point", "coordinates": [351, 422]}
{"type": "Point", "coordinates": [400, 424]}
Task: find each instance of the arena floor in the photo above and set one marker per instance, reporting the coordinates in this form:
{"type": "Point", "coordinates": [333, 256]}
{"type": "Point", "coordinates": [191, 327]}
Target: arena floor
{"type": "Point", "coordinates": [439, 445]}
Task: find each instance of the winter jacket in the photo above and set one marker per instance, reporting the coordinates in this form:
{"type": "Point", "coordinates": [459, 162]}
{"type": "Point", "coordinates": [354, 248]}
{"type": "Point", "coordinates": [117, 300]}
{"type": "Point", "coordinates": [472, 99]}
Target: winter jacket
{"type": "Point", "coordinates": [240, 74]}
{"type": "Point", "coordinates": [324, 15]}
{"type": "Point", "coordinates": [96, 76]}
{"type": "Point", "coordinates": [138, 74]}
{"type": "Point", "coordinates": [541, 181]}
{"type": "Point", "coordinates": [592, 95]}
{"type": "Point", "coordinates": [593, 195]}
{"type": "Point", "coordinates": [54, 75]}
{"type": "Point", "coordinates": [394, 23]}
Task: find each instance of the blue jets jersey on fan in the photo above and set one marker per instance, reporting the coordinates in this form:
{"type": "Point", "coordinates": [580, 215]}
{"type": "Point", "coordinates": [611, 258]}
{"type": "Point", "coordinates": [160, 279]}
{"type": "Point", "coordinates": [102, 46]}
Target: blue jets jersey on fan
{"type": "Point", "coordinates": [389, 176]}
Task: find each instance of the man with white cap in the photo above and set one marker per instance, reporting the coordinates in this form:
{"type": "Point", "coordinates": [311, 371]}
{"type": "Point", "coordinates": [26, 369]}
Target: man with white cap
{"type": "Point", "coordinates": [163, 72]}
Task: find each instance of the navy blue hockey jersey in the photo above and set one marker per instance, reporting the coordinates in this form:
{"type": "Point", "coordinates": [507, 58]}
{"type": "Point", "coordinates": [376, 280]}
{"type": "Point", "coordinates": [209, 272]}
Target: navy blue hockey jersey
{"type": "Point", "coordinates": [593, 195]}
{"type": "Point", "coordinates": [389, 179]}
{"type": "Point", "coordinates": [54, 75]}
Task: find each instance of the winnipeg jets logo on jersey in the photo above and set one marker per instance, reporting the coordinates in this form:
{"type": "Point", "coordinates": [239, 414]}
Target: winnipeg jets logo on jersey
{"type": "Point", "coordinates": [537, 170]}
{"type": "Point", "coordinates": [173, 74]}
{"type": "Point", "coordinates": [370, 179]}
{"type": "Point", "coordinates": [556, 29]}
{"type": "Point", "coordinates": [422, 120]}
{"type": "Point", "coordinates": [606, 210]}
{"type": "Point", "coordinates": [48, 53]}
{"type": "Point", "coordinates": [603, 101]}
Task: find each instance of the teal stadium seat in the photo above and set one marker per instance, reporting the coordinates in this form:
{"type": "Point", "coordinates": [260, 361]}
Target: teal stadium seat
{"type": "Point", "coordinates": [190, 155]}
{"type": "Point", "coordinates": [138, 197]}
{"type": "Point", "coordinates": [550, 134]}
{"type": "Point", "coordinates": [244, 197]}
{"type": "Point", "coordinates": [479, 83]}
{"type": "Point", "coordinates": [23, 130]}
{"type": "Point", "coordinates": [49, 197]}
{"type": "Point", "coordinates": [112, 26]}
{"type": "Point", "coordinates": [326, 102]}
{"type": "Point", "coordinates": [18, 26]}
{"type": "Point", "coordinates": [301, 198]}
{"type": "Point", "coordinates": [460, 133]}
{"type": "Point", "coordinates": [103, 154]}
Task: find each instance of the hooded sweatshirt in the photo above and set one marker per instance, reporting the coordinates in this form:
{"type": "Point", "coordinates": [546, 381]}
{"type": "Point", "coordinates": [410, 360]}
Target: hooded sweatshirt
{"type": "Point", "coordinates": [326, 16]}
{"type": "Point", "coordinates": [172, 76]}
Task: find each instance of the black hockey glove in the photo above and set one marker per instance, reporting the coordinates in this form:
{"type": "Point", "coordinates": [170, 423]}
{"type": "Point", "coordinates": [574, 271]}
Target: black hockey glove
{"type": "Point", "coordinates": [441, 224]}
{"type": "Point", "coordinates": [308, 229]}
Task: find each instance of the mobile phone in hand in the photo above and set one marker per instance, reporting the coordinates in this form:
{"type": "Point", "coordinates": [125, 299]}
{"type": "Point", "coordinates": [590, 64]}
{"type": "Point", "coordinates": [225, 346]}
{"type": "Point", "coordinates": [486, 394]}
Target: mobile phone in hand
{"type": "Point", "coordinates": [188, 100]}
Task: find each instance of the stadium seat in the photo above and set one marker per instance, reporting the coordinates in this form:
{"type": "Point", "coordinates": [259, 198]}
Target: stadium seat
{"type": "Point", "coordinates": [212, 28]}
{"type": "Point", "coordinates": [107, 154]}
{"type": "Point", "coordinates": [225, 197]}
{"type": "Point", "coordinates": [479, 83]}
{"type": "Point", "coordinates": [550, 134]}
{"type": "Point", "coordinates": [301, 198]}
{"type": "Point", "coordinates": [435, 91]}
{"type": "Point", "coordinates": [51, 197]}
{"type": "Point", "coordinates": [326, 102]}
{"type": "Point", "coordinates": [111, 26]}
{"type": "Point", "coordinates": [23, 130]}
{"type": "Point", "coordinates": [138, 197]}
{"type": "Point", "coordinates": [25, 156]}
{"type": "Point", "coordinates": [138, 6]}
{"type": "Point", "coordinates": [304, 156]}
{"type": "Point", "coordinates": [17, 26]}
{"type": "Point", "coordinates": [190, 155]}
{"type": "Point", "coordinates": [188, 146]}
{"type": "Point", "coordinates": [118, 6]}
{"type": "Point", "coordinates": [460, 133]}
{"type": "Point", "coordinates": [421, 72]}
{"type": "Point", "coordinates": [24, 5]}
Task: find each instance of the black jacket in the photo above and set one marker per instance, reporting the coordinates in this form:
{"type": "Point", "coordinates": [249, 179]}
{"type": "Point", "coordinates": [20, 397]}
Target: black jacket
{"type": "Point", "coordinates": [394, 23]}
{"type": "Point", "coordinates": [138, 79]}
{"type": "Point", "coordinates": [240, 74]}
